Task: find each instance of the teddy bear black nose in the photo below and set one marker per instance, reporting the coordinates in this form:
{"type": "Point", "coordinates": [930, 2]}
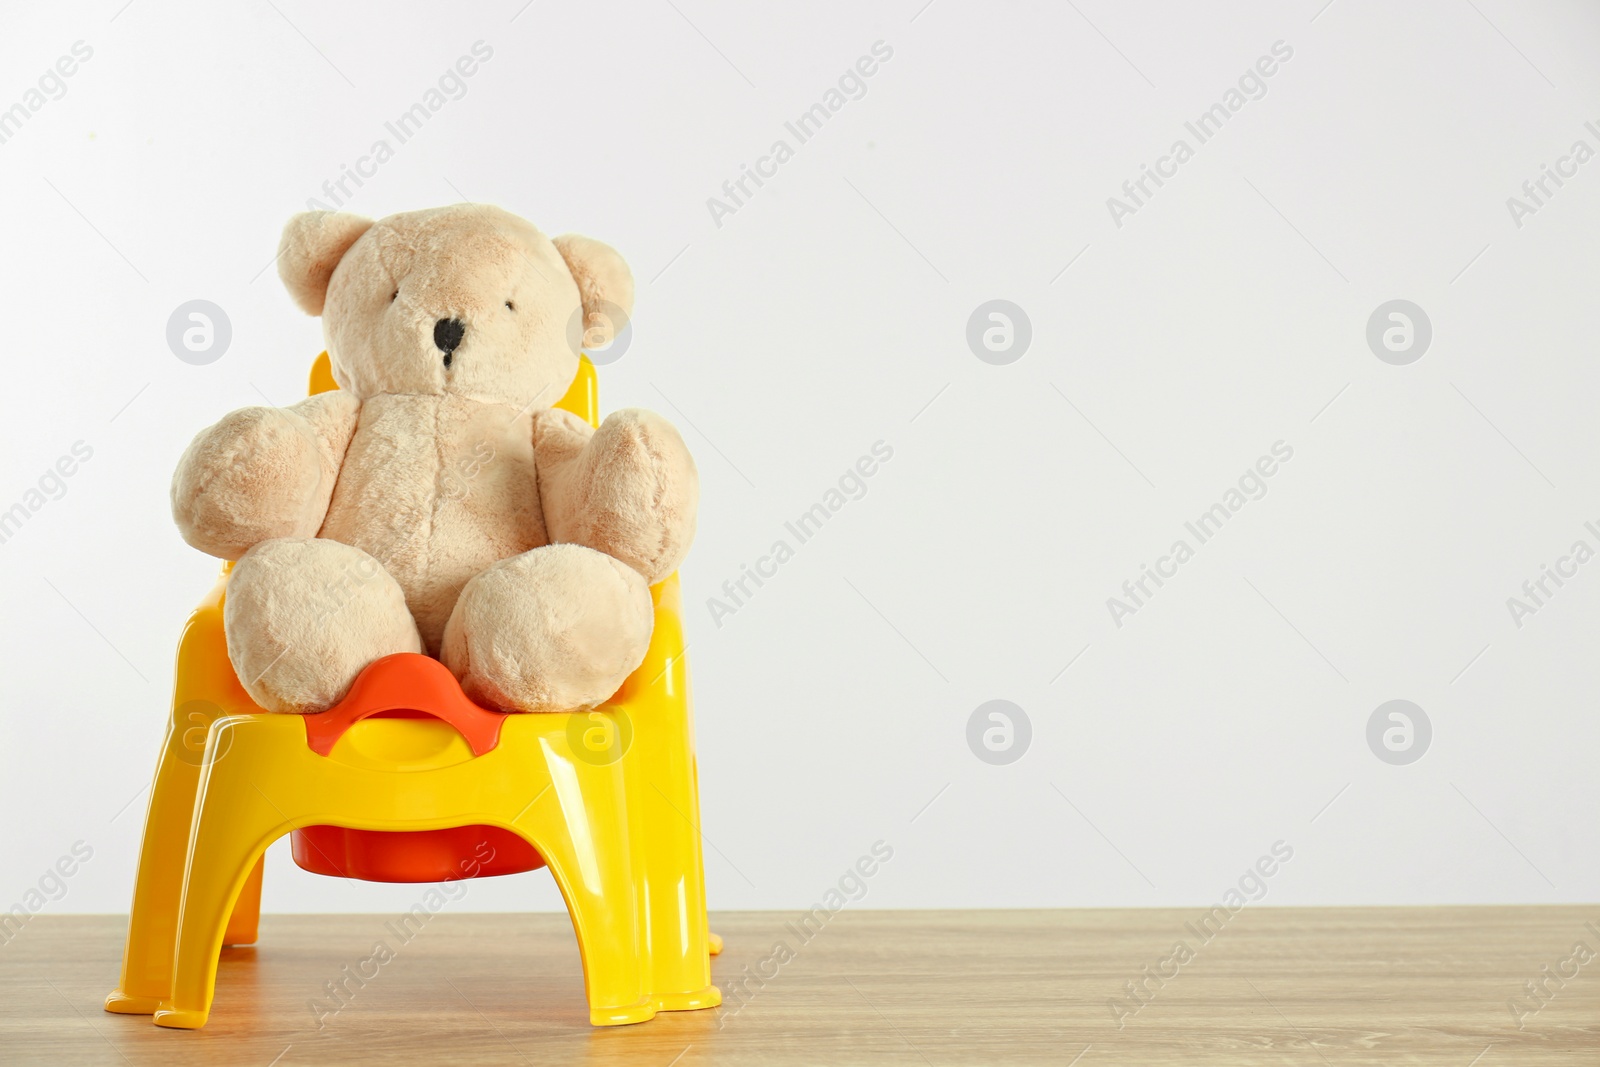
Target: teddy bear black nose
{"type": "Point", "coordinates": [447, 334]}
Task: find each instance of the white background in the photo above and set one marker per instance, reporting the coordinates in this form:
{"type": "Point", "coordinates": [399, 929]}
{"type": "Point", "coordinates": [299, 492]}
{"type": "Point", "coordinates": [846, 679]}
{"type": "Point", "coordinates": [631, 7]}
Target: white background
{"type": "Point", "coordinates": [829, 313]}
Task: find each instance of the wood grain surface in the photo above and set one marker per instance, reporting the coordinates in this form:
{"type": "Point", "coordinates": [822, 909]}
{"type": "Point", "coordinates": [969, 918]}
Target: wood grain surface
{"type": "Point", "coordinates": [1275, 986]}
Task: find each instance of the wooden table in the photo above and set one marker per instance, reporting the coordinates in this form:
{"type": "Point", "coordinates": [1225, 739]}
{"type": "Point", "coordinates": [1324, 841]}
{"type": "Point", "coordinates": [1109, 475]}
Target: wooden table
{"type": "Point", "coordinates": [1275, 986]}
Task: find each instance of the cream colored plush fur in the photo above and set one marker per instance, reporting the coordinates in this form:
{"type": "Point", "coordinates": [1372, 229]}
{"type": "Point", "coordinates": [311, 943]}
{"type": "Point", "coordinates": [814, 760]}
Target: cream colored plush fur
{"type": "Point", "coordinates": [437, 502]}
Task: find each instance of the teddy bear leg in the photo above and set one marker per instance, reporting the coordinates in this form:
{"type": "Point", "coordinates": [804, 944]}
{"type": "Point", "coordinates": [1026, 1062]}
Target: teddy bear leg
{"type": "Point", "coordinates": [557, 628]}
{"type": "Point", "coordinates": [304, 615]}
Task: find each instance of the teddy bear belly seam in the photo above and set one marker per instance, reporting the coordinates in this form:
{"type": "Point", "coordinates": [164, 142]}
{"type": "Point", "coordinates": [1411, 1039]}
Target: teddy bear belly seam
{"type": "Point", "coordinates": [436, 489]}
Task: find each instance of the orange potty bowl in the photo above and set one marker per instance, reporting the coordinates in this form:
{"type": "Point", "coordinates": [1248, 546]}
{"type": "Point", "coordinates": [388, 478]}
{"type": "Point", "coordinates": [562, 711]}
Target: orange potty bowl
{"type": "Point", "coordinates": [413, 855]}
{"type": "Point", "coordinates": [409, 686]}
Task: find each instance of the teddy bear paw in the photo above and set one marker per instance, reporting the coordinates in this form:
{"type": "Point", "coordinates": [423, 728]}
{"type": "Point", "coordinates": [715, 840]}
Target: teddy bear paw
{"type": "Point", "coordinates": [643, 493]}
{"type": "Point", "coordinates": [557, 628]}
{"type": "Point", "coordinates": [304, 615]}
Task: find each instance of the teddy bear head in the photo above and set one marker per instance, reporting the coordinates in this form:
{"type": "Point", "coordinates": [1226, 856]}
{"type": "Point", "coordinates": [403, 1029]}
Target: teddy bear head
{"type": "Point", "coordinates": [469, 300]}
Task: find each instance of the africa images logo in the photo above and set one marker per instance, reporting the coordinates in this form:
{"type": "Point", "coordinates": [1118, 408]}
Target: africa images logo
{"type": "Point", "coordinates": [1252, 85]}
{"type": "Point", "coordinates": [851, 85]}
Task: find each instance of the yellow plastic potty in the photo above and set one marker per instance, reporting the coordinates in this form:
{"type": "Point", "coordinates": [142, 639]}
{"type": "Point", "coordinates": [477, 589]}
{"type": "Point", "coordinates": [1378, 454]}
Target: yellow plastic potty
{"type": "Point", "coordinates": [408, 780]}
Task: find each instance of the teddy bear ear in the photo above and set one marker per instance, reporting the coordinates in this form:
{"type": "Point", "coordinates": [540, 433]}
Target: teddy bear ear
{"type": "Point", "coordinates": [313, 244]}
{"type": "Point", "coordinates": [605, 284]}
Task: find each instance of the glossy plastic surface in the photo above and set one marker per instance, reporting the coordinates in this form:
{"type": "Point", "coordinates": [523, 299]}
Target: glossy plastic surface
{"type": "Point", "coordinates": [409, 683]}
{"type": "Point", "coordinates": [609, 799]}
{"type": "Point", "coordinates": [412, 855]}
{"type": "Point", "coordinates": [416, 687]}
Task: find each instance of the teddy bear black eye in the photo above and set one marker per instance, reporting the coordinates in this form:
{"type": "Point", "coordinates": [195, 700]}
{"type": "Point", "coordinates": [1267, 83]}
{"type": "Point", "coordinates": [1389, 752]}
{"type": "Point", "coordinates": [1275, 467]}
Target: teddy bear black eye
{"type": "Point", "coordinates": [394, 296]}
{"type": "Point", "coordinates": [510, 306]}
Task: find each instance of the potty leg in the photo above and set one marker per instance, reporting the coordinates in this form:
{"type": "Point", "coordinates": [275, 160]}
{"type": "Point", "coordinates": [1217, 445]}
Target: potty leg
{"type": "Point", "coordinates": [204, 690]}
{"type": "Point", "coordinates": [232, 829]}
{"type": "Point", "coordinates": [597, 884]}
{"type": "Point", "coordinates": [152, 924]}
{"type": "Point", "coordinates": [226, 858]}
{"type": "Point", "coordinates": [244, 923]}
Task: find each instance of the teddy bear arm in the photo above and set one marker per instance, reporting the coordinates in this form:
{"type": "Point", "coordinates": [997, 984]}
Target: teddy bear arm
{"type": "Point", "coordinates": [262, 473]}
{"type": "Point", "coordinates": [333, 418]}
{"type": "Point", "coordinates": [559, 439]}
{"type": "Point", "coordinates": [628, 489]}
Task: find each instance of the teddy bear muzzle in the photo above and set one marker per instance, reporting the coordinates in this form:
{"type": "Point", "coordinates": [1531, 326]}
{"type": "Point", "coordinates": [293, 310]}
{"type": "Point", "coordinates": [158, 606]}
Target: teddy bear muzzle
{"type": "Point", "coordinates": [447, 335]}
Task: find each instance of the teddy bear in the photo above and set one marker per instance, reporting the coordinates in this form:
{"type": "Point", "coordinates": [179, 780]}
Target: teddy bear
{"type": "Point", "coordinates": [437, 502]}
